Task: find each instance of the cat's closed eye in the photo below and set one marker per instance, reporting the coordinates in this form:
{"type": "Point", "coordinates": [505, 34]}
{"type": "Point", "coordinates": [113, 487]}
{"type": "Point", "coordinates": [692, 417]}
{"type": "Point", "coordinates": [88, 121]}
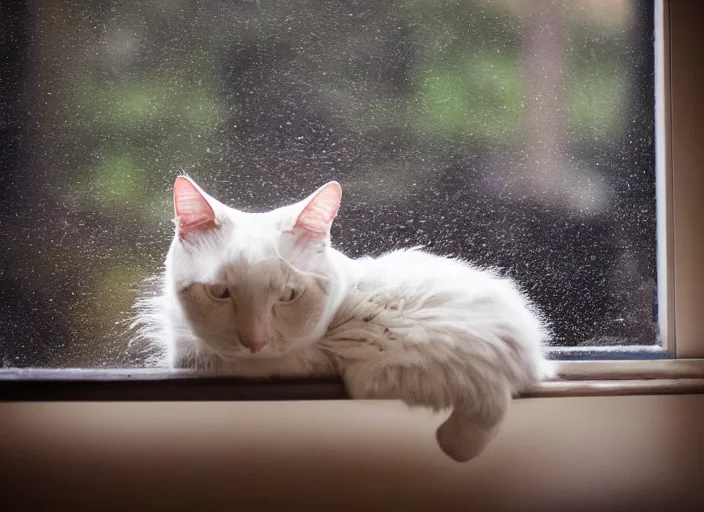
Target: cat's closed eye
{"type": "Point", "coordinates": [289, 294]}
{"type": "Point", "coordinates": [218, 291]}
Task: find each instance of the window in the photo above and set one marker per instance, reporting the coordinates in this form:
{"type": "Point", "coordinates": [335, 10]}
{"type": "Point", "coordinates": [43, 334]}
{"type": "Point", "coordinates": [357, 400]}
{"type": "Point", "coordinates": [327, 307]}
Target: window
{"type": "Point", "coordinates": [517, 134]}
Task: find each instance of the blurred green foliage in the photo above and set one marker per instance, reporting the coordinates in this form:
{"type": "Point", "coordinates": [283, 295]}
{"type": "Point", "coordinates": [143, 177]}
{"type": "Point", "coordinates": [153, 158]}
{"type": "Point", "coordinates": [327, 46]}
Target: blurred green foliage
{"type": "Point", "coordinates": [594, 101]}
{"type": "Point", "coordinates": [479, 97]}
{"type": "Point", "coordinates": [152, 101]}
{"type": "Point", "coordinates": [118, 181]}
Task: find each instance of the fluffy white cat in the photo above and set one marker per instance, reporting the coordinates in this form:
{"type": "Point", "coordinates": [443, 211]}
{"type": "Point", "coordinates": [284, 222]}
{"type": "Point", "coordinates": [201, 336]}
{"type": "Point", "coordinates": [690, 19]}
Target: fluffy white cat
{"type": "Point", "coordinates": [265, 295]}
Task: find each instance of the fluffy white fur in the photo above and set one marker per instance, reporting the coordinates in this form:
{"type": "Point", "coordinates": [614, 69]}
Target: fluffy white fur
{"type": "Point", "coordinates": [265, 295]}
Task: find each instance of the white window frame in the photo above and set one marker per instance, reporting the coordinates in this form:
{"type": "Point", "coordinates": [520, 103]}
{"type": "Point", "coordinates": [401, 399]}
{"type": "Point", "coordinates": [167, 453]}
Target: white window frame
{"type": "Point", "coordinates": [679, 189]}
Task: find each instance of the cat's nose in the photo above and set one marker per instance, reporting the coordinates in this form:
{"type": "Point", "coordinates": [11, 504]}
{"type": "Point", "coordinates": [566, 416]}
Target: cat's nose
{"type": "Point", "coordinates": [255, 347]}
{"type": "Point", "coordinates": [253, 343]}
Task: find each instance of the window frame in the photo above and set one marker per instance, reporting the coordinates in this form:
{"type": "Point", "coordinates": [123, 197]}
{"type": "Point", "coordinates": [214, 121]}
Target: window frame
{"type": "Point", "coordinates": [686, 158]}
{"type": "Point", "coordinates": [680, 155]}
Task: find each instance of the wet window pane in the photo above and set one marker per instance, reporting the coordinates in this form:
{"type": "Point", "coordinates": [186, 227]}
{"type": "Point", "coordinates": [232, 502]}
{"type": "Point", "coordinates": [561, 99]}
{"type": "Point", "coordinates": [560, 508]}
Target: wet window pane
{"type": "Point", "coordinates": [515, 134]}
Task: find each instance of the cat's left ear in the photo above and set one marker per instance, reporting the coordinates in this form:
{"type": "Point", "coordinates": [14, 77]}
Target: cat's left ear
{"type": "Point", "coordinates": [193, 210]}
{"type": "Point", "coordinates": [315, 219]}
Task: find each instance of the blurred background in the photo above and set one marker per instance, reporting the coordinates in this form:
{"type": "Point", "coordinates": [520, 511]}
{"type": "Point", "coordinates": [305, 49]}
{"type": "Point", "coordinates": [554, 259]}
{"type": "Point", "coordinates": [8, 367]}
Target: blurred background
{"type": "Point", "coordinates": [517, 134]}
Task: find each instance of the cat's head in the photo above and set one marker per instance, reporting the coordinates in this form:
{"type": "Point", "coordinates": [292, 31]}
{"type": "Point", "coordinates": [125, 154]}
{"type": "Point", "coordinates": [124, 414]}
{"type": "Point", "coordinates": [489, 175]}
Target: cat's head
{"type": "Point", "coordinates": [253, 284]}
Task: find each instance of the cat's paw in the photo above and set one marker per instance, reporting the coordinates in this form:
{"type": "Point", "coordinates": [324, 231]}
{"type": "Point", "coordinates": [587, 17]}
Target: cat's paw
{"type": "Point", "coordinates": [461, 441]}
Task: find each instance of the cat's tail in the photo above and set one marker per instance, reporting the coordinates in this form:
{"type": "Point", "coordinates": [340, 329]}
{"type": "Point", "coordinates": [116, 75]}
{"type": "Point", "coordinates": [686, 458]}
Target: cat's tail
{"type": "Point", "coordinates": [468, 430]}
{"type": "Point", "coordinates": [461, 438]}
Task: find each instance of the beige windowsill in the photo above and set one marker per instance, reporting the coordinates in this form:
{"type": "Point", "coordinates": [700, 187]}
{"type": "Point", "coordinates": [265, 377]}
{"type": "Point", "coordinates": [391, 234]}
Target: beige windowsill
{"type": "Point", "coordinates": [575, 378]}
{"type": "Point", "coordinates": [631, 370]}
{"type": "Point", "coordinates": [566, 388]}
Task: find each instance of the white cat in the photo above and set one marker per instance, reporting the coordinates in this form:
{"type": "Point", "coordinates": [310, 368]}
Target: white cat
{"type": "Point", "coordinates": [265, 295]}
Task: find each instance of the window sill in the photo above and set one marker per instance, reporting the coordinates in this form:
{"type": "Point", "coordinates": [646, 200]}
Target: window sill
{"type": "Point", "coordinates": [631, 370]}
{"type": "Point", "coordinates": [575, 378]}
{"type": "Point", "coordinates": [574, 388]}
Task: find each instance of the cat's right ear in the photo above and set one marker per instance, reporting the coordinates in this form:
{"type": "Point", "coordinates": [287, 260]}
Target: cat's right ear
{"type": "Point", "coordinates": [193, 211]}
{"type": "Point", "coordinates": [314, 221]}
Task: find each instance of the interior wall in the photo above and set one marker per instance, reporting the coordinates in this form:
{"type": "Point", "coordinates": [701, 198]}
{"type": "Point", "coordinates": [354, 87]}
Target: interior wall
{"type": "Point", "coordinates": [605, 453]}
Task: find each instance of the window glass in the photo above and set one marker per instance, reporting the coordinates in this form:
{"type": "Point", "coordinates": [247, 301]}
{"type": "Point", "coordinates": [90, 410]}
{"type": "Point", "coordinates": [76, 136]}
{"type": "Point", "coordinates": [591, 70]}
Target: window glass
{"type": "Point", "coordinates": [517, 134]}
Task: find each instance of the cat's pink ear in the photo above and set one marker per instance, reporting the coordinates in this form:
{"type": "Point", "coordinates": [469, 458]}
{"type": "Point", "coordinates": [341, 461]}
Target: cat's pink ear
{"type": "Point", "coordinates": [193, 211]}
{"type": "Point", "coordinates": [317, 216]}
